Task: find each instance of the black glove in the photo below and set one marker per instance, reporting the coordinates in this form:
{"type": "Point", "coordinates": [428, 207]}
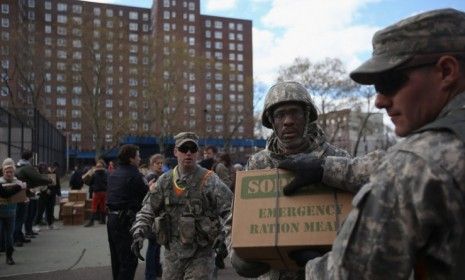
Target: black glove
{"type": "Point", "coordinates": [301, 257]}
{"type": "Point", "coordinates": [221, 252]}
{"type": "Point", "coordinates": [137, 244]}
{"type": "Point", "coordinates": [248, 269]}
{"type": "Point", "coordinates": [306, 171]}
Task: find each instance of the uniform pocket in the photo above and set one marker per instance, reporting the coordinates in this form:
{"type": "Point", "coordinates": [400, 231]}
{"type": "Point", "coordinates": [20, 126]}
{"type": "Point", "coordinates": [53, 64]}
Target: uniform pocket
{"type": "Point", "coordinates": [344, 235]}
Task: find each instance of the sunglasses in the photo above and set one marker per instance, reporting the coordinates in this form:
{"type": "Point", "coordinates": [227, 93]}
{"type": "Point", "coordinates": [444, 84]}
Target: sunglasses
{"type": "Point", "coordinates": [391, 82]}
{"type": "Point", "coordinates": [185, 148]}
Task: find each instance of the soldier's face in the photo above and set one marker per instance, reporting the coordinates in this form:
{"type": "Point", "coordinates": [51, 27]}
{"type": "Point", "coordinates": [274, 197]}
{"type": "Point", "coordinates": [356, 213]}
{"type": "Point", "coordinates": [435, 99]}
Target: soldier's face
{"type": "Point", "coordinates": [186, 154]}
{"type": "Point", "coordinates": [289, 123]}
{"type": "Point", "coordinates": [415, 101]}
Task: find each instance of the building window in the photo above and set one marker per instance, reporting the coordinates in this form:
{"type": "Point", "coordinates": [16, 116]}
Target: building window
{"type": "Point", "coordinates": [47, 5]}
{"type": "Point", "coordinates": [62, 18]}
{"type": "Point", "coordinates": [61, 101]}
{"type": "Point", "coordinates": [5, 9]}
{"type": "Point", "coordinates": [61, 7]}
{"type": "Point", "coordinates": [97, 11]}
{"type": "Point", "coordinates": [5, 22]}
{"type": "Point", "coordinates": [77, 9]}
{"type": "Point", "coordinates": [232, 26]}
{"type": "Point", "coordinates": [218, 35]}
{"type": "Point", "coordinates": [109, 12]}
{"type": "Point", "coordinates": [218, 24]}
{"type": "Point", "coordinates": [208, 23]}
{"type": "Point", "coordinates": [133, 15]}
{"type": "Point", "coordinates": [61, 125]}
{"type": "Point", "coordinates": [133, 26]}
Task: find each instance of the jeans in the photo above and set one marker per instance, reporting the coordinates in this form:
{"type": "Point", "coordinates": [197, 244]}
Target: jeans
{"type": "Point", "coordinates": [31, 215]}
{"type": "Point", "coordinates": [7, 225]}
{"type": "Point", "coordinates": [21, 211]}
{"type": "Point", "coordinates": [152, 260]}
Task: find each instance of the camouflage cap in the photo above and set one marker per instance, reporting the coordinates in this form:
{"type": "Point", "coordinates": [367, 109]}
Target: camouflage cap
{"type": "Point", "coordinates": [433, 32]}
{"type": "Point", "coordinates": [184, 137]}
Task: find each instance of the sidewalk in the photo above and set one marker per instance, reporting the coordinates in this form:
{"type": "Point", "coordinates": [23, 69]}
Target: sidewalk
{"type": "Point", "coordinates": [71, 252]}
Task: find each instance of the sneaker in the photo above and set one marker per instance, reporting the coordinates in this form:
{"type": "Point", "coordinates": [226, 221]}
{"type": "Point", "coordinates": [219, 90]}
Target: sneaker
{"type": "Point", "coordinates": [53, 227]}
{"type": "Point", "coordinates": [35, 229]}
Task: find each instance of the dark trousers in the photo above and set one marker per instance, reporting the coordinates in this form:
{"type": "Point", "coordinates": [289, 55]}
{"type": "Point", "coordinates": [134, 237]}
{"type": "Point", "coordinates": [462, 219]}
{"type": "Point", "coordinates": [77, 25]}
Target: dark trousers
{"type": "Point", "coordinates": [123, 261]}
{"type": "Point", "coordinates": [7, 225]}
{"type": "Point", "coordinates": [21, 210]}
{"type": "Point", "coordinates": [47, 205]}
{"type": "Point", "coordinates": [30, 216]}
{"type": "Point", "coordinates": [152, 260]}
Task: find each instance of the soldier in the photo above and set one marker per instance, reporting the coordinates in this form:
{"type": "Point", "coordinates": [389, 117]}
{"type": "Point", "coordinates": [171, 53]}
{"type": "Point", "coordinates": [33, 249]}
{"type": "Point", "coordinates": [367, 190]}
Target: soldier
{"type": "Point", "coordinates": [290, 112]}
{"type": "Point", "coordinates": [408, 215]}
{"type": "Point", "coordinates": [188, 208]}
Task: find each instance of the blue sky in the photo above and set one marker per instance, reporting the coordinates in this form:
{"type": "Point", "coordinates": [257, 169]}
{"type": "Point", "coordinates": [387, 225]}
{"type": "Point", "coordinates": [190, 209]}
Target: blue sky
{"type": "Point", "coordinates": [286, 29]}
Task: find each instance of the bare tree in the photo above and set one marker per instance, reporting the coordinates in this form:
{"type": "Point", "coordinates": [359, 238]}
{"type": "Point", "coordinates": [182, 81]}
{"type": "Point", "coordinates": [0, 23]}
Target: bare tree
{"type": "Point", "coordinates": [24, 81]}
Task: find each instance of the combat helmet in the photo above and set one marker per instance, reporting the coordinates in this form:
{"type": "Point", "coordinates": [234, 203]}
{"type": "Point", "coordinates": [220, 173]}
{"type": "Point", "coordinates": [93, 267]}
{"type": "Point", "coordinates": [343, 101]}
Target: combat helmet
{"type": "Point", "coordinates": [288, 92]}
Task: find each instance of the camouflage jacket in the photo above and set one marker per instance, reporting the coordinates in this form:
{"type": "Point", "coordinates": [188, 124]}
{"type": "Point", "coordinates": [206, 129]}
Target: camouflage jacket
{"type": "Point", "coordinates": [408, 213]}
{"type": "Point", "coordinates": [163, 200]}
{"type": "Point", "coordinates": [269, 158]}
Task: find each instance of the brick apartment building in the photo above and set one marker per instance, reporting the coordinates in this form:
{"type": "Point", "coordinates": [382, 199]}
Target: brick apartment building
{"type": "Point", "coordinates": [100, 72]}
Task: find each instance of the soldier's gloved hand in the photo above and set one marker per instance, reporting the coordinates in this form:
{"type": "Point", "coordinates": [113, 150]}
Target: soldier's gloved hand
{"type": "Point", "coordinates": [137, 244]}
{"type": "Point", "coordinates": [306, 171]}
{"type": "Point", "coordinates": [301, 257]}
{"type": "Point", "coordinates": [248, 269]}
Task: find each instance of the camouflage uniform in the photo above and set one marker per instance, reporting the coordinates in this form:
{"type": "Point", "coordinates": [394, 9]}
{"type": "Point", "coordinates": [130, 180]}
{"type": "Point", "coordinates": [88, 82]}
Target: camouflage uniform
{"type": "Point", "coordinates": [315, 146]}
{"type": "Point", "coordinates": [199, 213]}
{"type": "Point", "coordinates": [408, 212]}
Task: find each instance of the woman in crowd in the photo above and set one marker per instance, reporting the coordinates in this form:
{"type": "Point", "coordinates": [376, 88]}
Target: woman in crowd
{"type": "Point", "coordinates": [9, 185]}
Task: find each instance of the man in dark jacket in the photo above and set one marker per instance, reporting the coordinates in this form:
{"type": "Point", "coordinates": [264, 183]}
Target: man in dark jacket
{"type": "Point", "coordinates": [26, 173]}
{"type": "Point", "coordinates": [126, 190]}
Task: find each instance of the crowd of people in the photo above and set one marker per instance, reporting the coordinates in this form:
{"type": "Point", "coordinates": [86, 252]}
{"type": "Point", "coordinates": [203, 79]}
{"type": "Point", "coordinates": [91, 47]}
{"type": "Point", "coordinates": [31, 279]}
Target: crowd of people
{"type": "Point", "coordinates": [22, 218]}
{"type": "Point", "coordinates": [409, 201]}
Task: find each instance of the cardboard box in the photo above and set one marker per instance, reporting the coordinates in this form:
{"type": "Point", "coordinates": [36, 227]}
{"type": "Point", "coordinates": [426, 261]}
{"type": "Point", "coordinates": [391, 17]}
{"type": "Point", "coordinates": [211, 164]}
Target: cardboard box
{"type": "Point", "coordinates": [67, 220]}
{"type": "Point", "coordinates": [78, 208]}
{"type": "Point", "coordinates": [267, 225]}
{"type": "Point", "coordinates": [78, 219]}
{"type": "Point", "coordinates": [88, 203]}
{"type": "Point", "coordinates": [67, 209]}
{"type": "Point", "coordinates": [17, 197]}
{"type": "Point", "coordinates": [77, 196]}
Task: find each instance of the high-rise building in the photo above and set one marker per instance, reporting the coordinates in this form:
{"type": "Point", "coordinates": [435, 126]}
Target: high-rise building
{"type": "Point", "coordinates": [100, 71]}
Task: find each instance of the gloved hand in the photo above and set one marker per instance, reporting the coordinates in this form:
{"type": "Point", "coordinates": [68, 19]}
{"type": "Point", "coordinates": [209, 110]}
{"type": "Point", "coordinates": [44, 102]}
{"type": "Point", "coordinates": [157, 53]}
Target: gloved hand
{"type": "Point", "coordinates": [137, 244]}
{"type": "Point", "coordinates": [221, 252]}
{"type": "Point", "coordinates": [248, 269]}
{"type": "Point", "coordinates": [301, 257]}
{"type": "Point", "coordinates": [307, 171]}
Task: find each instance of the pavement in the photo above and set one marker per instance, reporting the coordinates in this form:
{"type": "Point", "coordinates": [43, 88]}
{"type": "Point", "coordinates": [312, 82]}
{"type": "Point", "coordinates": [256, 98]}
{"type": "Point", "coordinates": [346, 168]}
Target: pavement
{"type": "Point", "coordinates": [71, 252]}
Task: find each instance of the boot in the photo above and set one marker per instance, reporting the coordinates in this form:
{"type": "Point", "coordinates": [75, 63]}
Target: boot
{"type": "Point", "coordinates": [91, 221]}
{"type": "Point", "coordinates": [9, 256]}
{"type": "Point", "coordinates": [102, 218]}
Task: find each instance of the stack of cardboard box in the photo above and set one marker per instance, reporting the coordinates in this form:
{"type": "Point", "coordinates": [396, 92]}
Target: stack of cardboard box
{"type": "Point", "coordinates": [72, 211]}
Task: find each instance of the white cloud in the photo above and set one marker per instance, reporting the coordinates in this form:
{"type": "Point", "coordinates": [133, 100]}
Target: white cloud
{"type": "Point", "coordinates": [220, 5]}
{"type": "Point", "coordinates": [309, 28]}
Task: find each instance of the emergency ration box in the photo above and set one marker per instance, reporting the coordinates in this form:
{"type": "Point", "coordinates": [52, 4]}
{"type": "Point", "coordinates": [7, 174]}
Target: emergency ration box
{"type": "Point", "coordinates": [77, 196]}
{"type": "Point", "coordinates": [267, 226]}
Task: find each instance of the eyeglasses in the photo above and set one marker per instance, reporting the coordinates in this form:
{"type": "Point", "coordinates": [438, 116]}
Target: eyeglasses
{"type": "Point", "coordinates": [296, 113]}
{"type": "Point", "coordinates": [391, 82]}
{"type": "Point", "coordinates": [184, 148]}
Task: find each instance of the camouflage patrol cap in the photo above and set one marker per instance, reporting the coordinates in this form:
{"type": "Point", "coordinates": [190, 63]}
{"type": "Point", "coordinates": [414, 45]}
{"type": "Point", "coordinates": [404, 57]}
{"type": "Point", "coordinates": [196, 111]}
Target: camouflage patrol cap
{"type": "Point", "coordinates": [287, 92]}
{"type": "Point", "coordinates": [184, 137]}
{"type": "Point", "coordinates": [433, 32]}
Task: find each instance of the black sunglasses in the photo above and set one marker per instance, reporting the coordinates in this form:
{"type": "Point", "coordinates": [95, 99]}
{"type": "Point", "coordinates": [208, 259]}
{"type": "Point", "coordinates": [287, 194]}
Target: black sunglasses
{"type": "Point", "coordinates": [184, 148]}
{"type": "Point", "coordinates": [391, 82]}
